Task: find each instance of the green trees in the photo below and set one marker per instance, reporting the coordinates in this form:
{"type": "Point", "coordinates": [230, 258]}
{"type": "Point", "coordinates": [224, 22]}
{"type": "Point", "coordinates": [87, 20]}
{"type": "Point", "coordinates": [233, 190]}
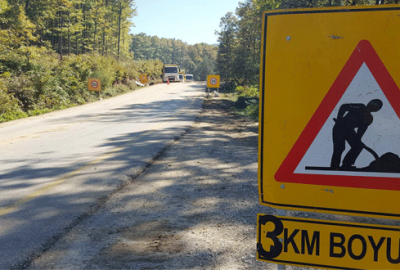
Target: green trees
{"type": "Point", "coordinates": [227, 44]}
{"type": "Point", "coordinates": [16, 37]}
{"type": "Point", "coordinates": [240, 41]}
{"type": "Point", "coordinates": [240, 35]}
{"type": "Point", "coordinates": [72, 26]}
{"type": "Point", "coordinates": [65, 26]}
{"type": "Point", "coordinates": [49, 48]}
{"type": "Point", "coordinates": [198, 59]}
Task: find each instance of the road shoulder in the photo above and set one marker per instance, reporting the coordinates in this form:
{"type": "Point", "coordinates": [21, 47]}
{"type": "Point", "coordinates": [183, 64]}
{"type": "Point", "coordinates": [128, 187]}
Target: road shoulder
{"type": "Point", "coordinates": [194, 208]}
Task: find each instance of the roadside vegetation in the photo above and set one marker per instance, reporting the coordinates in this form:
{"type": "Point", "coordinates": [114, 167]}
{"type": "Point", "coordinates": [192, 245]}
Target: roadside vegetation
{"type": "Point", "coordinates": [49, 84]}
{"type": "Point", "coordinates": [238, 57]}
{"type": "Point", "coordinates": [49, 49]}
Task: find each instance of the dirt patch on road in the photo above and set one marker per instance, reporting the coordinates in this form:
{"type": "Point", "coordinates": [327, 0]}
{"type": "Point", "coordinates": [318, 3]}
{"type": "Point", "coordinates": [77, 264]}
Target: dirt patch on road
{"type": "Point", "coordinates": [194, 208]}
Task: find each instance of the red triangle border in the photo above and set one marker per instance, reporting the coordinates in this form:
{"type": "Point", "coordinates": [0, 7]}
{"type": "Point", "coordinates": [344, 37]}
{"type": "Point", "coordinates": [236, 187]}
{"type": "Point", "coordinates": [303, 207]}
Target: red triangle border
{"type": "Point", "coordinates": [363, 53]}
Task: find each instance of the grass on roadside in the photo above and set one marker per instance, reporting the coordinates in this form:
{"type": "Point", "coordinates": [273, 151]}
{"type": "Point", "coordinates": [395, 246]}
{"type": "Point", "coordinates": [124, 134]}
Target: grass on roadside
{"type": "Point", "coordinates": [246, 100]}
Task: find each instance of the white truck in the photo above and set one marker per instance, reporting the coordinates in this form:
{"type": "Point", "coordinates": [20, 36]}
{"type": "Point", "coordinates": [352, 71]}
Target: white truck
{"type": "Point", "coordinates": [171, 73]}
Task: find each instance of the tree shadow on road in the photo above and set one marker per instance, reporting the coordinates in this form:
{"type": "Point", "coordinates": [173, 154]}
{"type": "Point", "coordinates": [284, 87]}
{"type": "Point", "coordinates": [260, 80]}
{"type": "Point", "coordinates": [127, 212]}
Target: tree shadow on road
{"type": "Point", "coordinates": [66, 194]}
{"type": "Point", "coordinates": [195, 207]}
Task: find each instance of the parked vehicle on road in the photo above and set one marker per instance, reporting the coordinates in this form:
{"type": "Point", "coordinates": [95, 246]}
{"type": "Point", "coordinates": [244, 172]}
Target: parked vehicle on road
{"type": "Point", "coordinates": [189, 77]}
{"type": "Point", "coordinates": [171, 73]}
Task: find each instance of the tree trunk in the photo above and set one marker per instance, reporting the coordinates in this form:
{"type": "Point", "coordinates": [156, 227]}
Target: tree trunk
{"type": "Point", "coordinates": [60, 39]}
{"type": "Point", "coordinates": [95, 32]}
{"type": "Point", "coordinates": [119, 26]}
{"type": "Point", "coordinates": [84, 28]}
{"type": "Point", "coordinates": [69, 43]}
{"type": "Point", "coordinates": [104, 35]}
{"type": "Point", "coordinates": [27, 53]}
{"type": "Point", "coordinates": [60, 47]}
{"type": "Point", "coordinates": [104, 43]}
{"type": "Point", "coordinates": [76, 45]}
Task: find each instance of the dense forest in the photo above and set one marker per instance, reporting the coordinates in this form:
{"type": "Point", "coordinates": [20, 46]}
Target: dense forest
{"type": "Point", "coordinates": [239, 36]}
{"type": "Point", "coordinates": [198, 59]}
{"type": "Point", "coordinates": [67, 26]}
{"type": "Point", "coordinates": [49, 49]}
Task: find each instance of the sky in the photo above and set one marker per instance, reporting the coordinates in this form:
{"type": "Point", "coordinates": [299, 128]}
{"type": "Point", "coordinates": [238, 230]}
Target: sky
{"type": "Point", "coordinates": [192, 21]}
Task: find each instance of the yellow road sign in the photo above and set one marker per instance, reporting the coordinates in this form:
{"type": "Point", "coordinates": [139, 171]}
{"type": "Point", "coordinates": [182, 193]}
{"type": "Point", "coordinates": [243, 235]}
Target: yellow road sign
{"type": "Point", "coordinates": [327, 244]}
{"type": "Point", "coordinates": [213, 81]}
{"type": "Point", "coordinates": [94, 84]}
{"type": "Point", "coordinates": [143, 78]}
{"type": "Point", "coordinates": [321, 68]}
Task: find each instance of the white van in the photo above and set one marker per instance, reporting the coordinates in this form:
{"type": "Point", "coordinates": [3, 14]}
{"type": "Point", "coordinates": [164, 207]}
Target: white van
{"type": "Point", "coordinates": [189, 77]}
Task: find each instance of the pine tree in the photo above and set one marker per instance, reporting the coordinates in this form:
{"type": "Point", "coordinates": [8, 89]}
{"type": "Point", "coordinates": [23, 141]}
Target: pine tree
{"type": "Point", "coordinates": [227, 44]}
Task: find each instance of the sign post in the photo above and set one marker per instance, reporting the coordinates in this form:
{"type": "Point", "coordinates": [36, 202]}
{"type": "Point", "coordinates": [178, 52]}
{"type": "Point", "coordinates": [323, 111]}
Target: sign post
{"type": "Point", "coordinates": [329, 138]}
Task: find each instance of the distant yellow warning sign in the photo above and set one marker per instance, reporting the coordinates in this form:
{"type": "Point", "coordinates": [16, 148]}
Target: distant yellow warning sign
{"type": "Point", "coordinates": [143, 79]}
{"type": "Point", "coordinates": [213, 81]}
{"type": "Point", "coordinates": [94, 84]}
{"type": "Point", "coordinates": [327, 244]}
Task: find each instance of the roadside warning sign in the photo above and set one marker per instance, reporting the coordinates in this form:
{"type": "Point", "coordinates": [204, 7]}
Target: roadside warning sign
{"type": "Point", "coordinates": [327, 244]}
{"type": "Point", "coordinates": [330, 111]}
{"type": "Point", "coordinates": [353, 116]}
{"type": "Point", "coordinates": [94, 84]}
{"type": "Point", "coordinates": [143, 79]}
{"type": "Point", "coordinates": [213, 81]}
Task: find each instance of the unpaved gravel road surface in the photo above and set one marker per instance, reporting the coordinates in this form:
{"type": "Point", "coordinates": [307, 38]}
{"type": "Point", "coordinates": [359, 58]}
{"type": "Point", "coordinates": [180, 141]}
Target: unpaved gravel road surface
{"type": "Point", "coordinates": [194, 208]}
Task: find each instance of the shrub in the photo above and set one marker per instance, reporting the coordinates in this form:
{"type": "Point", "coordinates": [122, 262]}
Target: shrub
{"type": "Point", "coordinates": [22, 89]}
{"type": "Point", "coordinates": [252, 110]}
{"type": "Point", "coordinates": [7, 102]}
{"type": "Point", "coordinates": [38, 111]}
{"type": "Point", "coordinates": [9, 109]}
{"type": "Point", "coordinates": [115, 90]}
{"type": "Point", "coordinates": [49, 84]}
{"type": "Point", "coordinates": [131, 84]}
{"type": "Point", "coordinates": [103, 67]}
{"type": "Point", "coordinates": [9, 116]}
{"type": "Point", "coordinates": [228, 87]}
{"type": "Point", "coordinates": [248, 91]}
{"type": "Point", "coordinates": [248, 101]}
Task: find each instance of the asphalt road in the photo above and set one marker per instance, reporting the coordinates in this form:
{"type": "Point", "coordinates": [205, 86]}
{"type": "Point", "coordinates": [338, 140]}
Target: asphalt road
{"type": "Point", "coordinates": [57, 169]}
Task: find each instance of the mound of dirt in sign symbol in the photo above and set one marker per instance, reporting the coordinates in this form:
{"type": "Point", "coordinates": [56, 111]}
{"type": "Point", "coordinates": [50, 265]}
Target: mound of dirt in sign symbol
{"type": "Point", "coordinates": [388, 162]}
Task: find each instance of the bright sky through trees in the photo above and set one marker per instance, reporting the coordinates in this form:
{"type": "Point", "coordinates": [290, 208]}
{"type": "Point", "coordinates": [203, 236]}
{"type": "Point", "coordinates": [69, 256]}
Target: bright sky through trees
{"type": "Point", "coordinates": [192, 21]}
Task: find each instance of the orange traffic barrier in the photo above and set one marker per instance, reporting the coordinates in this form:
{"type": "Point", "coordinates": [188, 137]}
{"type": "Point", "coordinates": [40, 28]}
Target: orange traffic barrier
{"type": "Point", "coordinates": [168, 81]}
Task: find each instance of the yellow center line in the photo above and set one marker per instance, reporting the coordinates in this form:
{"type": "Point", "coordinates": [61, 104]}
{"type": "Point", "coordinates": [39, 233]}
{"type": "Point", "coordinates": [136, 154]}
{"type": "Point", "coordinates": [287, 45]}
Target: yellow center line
{"type": "Point", "coordinates": [35, 194]}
